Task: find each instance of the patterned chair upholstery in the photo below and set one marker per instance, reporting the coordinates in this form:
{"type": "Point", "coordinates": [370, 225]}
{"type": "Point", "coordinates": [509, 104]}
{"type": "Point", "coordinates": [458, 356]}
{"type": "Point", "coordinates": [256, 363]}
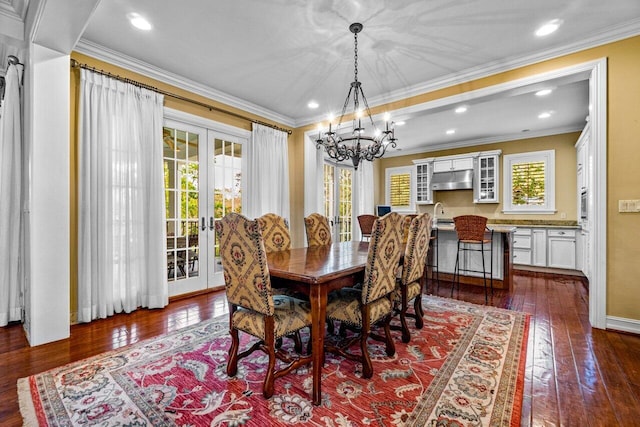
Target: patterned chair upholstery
{"type": "Point", "coordinates": [252, 307]}
{"type": "Point", "coordinates": [406, 221]}
{"type": "Point", "coordinates": [413, 265]}
{"type": "Point", "coordinates": [275, 232]}
{"type": "Point", "coordinates": [318, 230]}
{"type": "Point", "coordinates": [360, 308]}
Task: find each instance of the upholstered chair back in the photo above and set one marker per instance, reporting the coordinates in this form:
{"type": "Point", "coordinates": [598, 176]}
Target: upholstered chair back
{"type": "Point", "coordinates": [275, 232]}
{"type": "Point", "coordinates": [318, 230]}
{"type": "Point", "coordinates": [406, 222]}
{"type": "Point", "coordinates": [384, 257]}
{"type": "Point", "coordinates": [244, 261]}
{"type": "Point", "coordinates": [415, 251]}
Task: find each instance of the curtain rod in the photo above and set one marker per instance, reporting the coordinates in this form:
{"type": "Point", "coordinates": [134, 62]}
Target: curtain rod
{"type": "Point", "coordinates": [76, 64]}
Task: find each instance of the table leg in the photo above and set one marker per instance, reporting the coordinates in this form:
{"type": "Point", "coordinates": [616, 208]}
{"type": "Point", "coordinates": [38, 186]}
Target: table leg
{"type": "Point", "coordinates": [318, 299]}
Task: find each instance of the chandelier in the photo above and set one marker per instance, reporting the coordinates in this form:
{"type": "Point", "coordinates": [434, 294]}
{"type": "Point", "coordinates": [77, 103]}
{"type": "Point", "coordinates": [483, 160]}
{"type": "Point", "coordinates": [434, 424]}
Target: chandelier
{"type": "Point", "coordinates": [357, 146]}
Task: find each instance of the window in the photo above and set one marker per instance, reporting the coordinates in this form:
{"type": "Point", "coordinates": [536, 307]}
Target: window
{"type": "Point", "coordinates": [529, 182]}
{"type": "Point", "coordinates": [400, 188]}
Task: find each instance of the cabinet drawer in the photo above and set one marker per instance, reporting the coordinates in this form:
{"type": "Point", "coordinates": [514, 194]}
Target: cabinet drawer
{"type": "Point", "coordinates": [561, 233]}
{"type": "Point", "coordinates": [522, 242]}
{"type": "Point", "coordinates": [522, 256]}
{"type": "Point", "coordinates": [522, 232]}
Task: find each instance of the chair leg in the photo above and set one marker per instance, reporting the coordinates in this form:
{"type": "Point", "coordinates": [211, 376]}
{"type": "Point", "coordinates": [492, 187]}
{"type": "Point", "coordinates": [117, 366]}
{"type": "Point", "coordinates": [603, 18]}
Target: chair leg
{"type": "Point", "coordinates": [390, 346]}
{"type": "Point", "coordinates": [297, 342]}
{"type": "Point", "coordinates": [267, 387]}
{"type": "Point", "coordinates": [417, 307]}
{"type": "Point", "coordinates": [367, 367]}
{"type": "Point", "coordinates": [232, 363]}
{"type": "Point", "coordinates": [406, 336]}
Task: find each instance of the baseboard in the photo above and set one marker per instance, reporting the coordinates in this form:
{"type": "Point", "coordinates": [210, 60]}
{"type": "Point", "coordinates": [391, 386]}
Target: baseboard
{"type": "Point", "coordinates": [623, 324]}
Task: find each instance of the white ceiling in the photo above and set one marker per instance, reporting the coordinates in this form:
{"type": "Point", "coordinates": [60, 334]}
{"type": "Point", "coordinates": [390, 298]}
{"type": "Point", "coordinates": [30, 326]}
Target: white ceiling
{"type": "Point", "coordinates": [273, 56]}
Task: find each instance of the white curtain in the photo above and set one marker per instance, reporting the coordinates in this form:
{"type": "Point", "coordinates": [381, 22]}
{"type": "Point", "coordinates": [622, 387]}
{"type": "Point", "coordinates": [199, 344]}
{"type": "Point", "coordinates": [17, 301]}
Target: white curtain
{"type": "Point", "coordinates": [267, 173]}
{"type": "Point", "coordinates": [10, 196]}
{"type": "Point", "coordinates": [363, 195]}
{"type": "Point", "coordinates": [121, 233]}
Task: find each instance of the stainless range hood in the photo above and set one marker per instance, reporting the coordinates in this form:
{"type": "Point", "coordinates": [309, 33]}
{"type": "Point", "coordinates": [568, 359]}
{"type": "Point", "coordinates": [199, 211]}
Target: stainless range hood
{"type": "Point", "coordinates": [452, 180]}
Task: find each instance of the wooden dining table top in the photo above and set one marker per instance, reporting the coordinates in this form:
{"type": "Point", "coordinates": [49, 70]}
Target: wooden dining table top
{"type": "Point", "coordinates": [318, 264]}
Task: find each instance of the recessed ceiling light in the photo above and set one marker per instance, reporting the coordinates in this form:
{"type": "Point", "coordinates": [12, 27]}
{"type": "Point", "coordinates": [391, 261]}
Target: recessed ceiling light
{"type": "Point", "coordinates": [400, 123]}
{"type": "Point", "coordinates": [313, 105]}
{"type": "Point", "coordinates": [543, 92]}
{"type": "Point", "coordinates": [451, 131]}
{"type": "Point", "coordinates": [544, 115]}
{"type": "Point", "coordinates": [461, 109]}
{"type": "Point", "coordinates": [139, 22]}
{"type": "Point", "coordinates": [548, 28]}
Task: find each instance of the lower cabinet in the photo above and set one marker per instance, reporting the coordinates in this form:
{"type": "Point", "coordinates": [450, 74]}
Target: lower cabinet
{"type": "Point", "coordinates": [545, 247]}
{"type": "Point", "coordinates": [562, 248]}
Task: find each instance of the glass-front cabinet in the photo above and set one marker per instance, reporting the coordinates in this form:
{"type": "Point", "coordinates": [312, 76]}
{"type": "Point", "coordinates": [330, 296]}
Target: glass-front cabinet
{"type": "Point", "coordinates": [486, 185]}
{"type": "Point", "coordinates": [424, 169]}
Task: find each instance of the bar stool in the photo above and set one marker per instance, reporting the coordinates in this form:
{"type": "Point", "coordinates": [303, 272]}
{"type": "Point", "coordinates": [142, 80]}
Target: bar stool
{"type": "Point", "coordinates": [472, 237]}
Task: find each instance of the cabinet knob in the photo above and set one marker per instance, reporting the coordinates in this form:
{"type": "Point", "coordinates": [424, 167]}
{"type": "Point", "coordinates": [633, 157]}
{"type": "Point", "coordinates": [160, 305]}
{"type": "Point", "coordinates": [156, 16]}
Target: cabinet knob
{"type": "Point", "coordinates": [562, 232]}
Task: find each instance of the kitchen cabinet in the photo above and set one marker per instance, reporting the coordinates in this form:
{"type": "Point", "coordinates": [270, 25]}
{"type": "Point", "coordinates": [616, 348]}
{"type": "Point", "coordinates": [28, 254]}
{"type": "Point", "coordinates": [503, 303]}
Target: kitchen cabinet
{"type": "Point", "coordinates": [522, 246]}
{"type": "Point", "coordinates": [424, 194]}
{"type": "Point", "coordinates": [462, 163]}
{"type": "Point", "coordinates": [562, 248]}
{"type": "Point", "coordinates": [539, 247]}
{"type": "Point", "coordinates": [486, 184]}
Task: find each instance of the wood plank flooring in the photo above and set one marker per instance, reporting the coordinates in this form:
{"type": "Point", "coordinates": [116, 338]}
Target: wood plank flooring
{"type": "Point", "coordinates": [575, 376]}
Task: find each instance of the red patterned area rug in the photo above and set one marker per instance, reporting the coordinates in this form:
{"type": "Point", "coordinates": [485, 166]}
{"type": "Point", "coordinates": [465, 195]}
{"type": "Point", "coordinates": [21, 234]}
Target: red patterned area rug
{"type": "Point", "coordinates": [464, 368]}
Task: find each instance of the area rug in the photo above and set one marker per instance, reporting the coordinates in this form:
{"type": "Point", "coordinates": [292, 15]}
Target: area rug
{"type": "Point", "coordinates": [464, 368]}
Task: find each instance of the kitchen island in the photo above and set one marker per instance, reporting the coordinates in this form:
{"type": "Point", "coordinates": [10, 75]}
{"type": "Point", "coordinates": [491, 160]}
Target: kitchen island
{"type": "Point", "coordinates": [445, 249]}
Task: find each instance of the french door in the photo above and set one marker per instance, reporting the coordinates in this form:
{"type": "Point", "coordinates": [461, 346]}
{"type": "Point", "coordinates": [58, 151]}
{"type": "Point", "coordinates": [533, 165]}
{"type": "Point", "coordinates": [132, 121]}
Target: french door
{"type": "Point", "coordinates": [338, 202]}
{"type": "Point", "coordinates": [203, 182]}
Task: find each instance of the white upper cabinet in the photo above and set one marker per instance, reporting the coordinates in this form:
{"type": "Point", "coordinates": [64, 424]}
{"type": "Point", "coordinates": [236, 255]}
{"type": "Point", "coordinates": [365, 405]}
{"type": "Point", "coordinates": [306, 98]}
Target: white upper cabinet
{"type": "Point", "coordinates": [486, 182]}
{"type": "Point", "coordinates": [458, 164]}
{"type": "Point", "coordinates": [424, 194]}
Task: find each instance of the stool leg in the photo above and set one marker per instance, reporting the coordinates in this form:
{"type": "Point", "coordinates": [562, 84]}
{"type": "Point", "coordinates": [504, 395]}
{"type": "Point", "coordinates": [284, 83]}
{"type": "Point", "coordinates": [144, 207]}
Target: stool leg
{"type": "Point", "coordinates": [491, 268]}
{"type": "Point", "coordinates": [484, 274]}
{"type": "Point", "coordinates": [456, 271]}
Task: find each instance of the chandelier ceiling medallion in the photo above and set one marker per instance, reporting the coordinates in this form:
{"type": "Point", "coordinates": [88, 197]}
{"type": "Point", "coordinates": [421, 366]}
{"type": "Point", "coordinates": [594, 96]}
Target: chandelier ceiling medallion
{"type": "Point", "coordinates": [357, 146]}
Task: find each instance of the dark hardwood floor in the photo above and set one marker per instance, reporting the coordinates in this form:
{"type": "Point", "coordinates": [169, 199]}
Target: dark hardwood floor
{"type": "Point", "coordinates": [575, 375]}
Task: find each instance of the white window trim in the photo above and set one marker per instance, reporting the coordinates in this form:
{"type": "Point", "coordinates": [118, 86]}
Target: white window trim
{"type": "Point", "coordinates": [401, 170]}
{"type": "Point", "coordinates": [549, 158]}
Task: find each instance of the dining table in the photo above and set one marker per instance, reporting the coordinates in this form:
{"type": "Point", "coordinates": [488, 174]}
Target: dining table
{"type": "Point", "coordinates": [315, 271]}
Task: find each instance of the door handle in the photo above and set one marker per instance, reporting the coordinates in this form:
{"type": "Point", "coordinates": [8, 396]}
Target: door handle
{"type": "Point", "coordinates": [204, 224]}
{"type": "Point", "coordinates": [210, 223]}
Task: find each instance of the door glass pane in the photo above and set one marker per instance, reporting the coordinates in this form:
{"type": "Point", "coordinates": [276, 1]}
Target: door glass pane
{"type": "Point", "coordinates": [227, 185]}
{"type": "Point", "coordinates": [181, 180]}
{"type": "Point", "coordinates": [345, 207]}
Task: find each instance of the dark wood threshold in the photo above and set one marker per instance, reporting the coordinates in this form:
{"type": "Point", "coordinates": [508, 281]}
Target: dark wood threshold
{"type": "Point", "coordinates": [196, 293]}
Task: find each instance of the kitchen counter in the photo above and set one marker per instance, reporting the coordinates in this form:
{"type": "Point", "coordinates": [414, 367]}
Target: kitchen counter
{"type": "Point", "coordinates": [445, 247]}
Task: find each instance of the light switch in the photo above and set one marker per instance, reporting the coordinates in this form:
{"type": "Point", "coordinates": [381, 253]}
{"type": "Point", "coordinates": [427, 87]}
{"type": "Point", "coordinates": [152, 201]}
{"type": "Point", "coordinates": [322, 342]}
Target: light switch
{"type": "Point", "coordinates": [628, 205]}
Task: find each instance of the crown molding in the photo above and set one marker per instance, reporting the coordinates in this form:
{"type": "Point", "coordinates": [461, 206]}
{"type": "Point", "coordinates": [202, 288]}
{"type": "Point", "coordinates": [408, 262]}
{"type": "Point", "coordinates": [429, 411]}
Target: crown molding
{"type": "Point", "coordinates": [102, 53]}
{"type": "Point", "coordinates": [611, 35]}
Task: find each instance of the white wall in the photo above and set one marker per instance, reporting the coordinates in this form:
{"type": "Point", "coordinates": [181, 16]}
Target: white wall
{"type": "Point", "coordinates": [47, 104]}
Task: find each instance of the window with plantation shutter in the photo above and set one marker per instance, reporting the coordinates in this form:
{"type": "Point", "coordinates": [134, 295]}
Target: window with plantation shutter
{"type": "Point", "coordinates": [400, 189]}
{"type": "Point", "coordinates": [530, 182]}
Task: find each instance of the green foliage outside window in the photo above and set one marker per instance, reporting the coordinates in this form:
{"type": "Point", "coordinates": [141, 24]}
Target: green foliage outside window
{"type": "Point", "coordinates": [528, 184]}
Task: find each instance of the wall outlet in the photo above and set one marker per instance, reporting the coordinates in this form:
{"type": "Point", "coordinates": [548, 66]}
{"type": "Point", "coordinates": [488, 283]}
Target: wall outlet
{"type": "Point", "coordinates": [563, 215]}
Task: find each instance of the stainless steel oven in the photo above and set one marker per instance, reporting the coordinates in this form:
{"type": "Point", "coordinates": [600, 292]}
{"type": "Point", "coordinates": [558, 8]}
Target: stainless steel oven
{"type": "Point", "coordinates": [583, 204]}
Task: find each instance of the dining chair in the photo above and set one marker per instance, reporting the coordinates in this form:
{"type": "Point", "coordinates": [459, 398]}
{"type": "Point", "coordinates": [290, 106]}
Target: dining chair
{"type": "Point", "coordinates": [406, 221]}
{"type": "Point", "coordinates": [318, 230]}
{"type": "Point", "coordinates": [366, 225]}
{"type": "Point", "coordinates": [253, 309]}
{"type": "Point", "coordinates": [359, 308]}
{"type": "Point", "coordinates": [275, 232]}
{"type": "Point", "coordinates": [410, 281]}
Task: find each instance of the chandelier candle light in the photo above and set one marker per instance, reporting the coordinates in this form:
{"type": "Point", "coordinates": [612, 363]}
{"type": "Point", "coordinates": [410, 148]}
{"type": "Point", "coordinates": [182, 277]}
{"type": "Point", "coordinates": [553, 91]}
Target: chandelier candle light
{"type": "Point", "coordinates": [341, 148]}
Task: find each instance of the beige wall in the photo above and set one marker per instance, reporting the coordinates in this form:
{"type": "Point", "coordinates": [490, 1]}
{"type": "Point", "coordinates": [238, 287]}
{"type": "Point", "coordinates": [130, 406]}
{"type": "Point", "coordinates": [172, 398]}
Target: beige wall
{"type": "Point", "coordinates": [461, 202]}
{"type": "Point", "coordinates": [623, 158]}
